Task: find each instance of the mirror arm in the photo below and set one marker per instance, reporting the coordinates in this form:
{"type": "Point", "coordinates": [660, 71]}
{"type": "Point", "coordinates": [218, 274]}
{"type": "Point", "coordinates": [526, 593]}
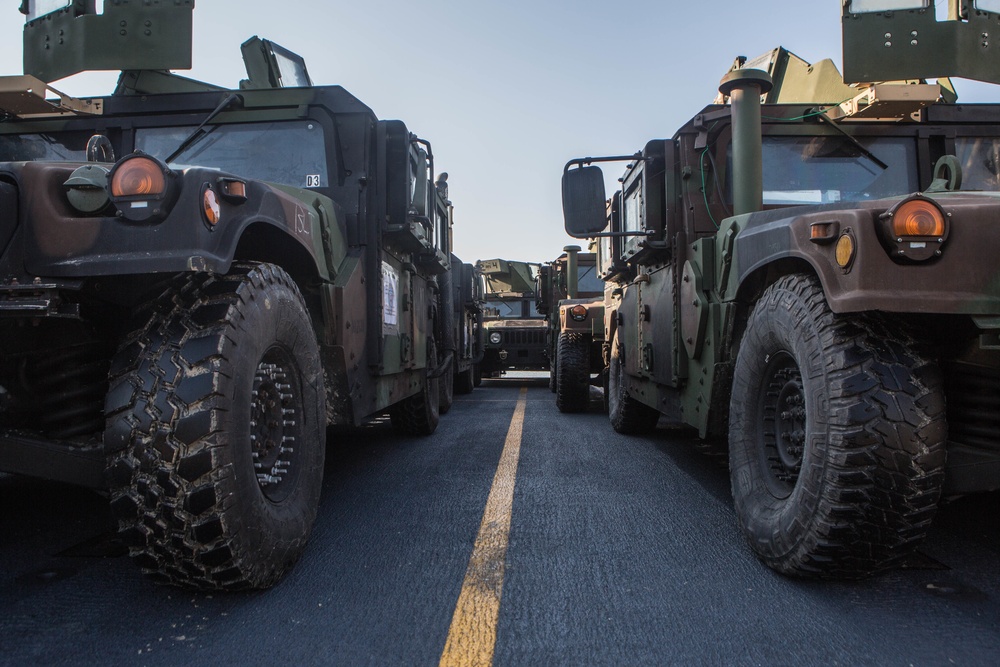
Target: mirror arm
{"type": "Point", "coordinates": [584, 161]}
{"type": "Point", "coordinates": [647, 233]}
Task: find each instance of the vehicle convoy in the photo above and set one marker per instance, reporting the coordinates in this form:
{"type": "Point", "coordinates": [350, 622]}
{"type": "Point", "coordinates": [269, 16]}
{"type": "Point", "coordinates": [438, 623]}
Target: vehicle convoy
{"type": "Point", "coordinates": [814, 277]}
{"type": "Point", "coordinates": [571, 296]}
{"type": "Point", "coordinates": [514, 331]}
{"type": "Point", "coordinates": [195, 282]}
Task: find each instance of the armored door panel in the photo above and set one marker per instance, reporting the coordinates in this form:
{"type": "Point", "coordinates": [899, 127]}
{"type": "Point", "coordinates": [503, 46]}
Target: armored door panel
{"type": "Point", "coordinates": [629, 330]}
{"type": "Point", "coordinates": [656, 323]}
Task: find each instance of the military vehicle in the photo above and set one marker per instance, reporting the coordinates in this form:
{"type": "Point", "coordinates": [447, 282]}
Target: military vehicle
{"type": "Point", "coordinates": [468, 323]}
{"type": "Point", "coordinates": [813, 277]}
{"type": "Point", "coordinates": [571, 296]}
{"type": "Point", "coordinates": [513, 328]}
{"type": "Point", "coordinates": [195, 282]}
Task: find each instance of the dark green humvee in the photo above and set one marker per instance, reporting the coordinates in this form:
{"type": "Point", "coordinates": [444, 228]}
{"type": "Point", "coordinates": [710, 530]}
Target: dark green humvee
{"type": "Point", "coordinates": [810, 284]}
{"type": "Point", "coordinates": [196, 282]}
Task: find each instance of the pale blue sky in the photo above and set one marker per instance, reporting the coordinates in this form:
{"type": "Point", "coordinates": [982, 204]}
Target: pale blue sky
{"type": "Point", "coordinates": [508, 91]}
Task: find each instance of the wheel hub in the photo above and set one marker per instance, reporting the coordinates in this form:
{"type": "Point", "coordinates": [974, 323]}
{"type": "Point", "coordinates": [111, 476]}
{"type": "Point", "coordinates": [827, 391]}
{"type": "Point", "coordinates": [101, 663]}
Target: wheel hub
{"type": "Point", "coordinates": [784, 422]}
{"type": "Point", "coordinates": [275, 416]}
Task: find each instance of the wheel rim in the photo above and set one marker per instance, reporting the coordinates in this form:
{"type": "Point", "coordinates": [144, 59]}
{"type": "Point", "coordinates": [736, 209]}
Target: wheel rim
{"type": "Point", "coordinates": [275, 423]}
{"type": "Point", "coordinates": [783, 414]}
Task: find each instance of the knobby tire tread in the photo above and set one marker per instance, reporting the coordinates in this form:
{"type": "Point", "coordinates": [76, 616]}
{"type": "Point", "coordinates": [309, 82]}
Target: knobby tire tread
{"type": "Point", "coordinates": [881, 475]}
{"type": "Point", "coordinates": [171, 485]}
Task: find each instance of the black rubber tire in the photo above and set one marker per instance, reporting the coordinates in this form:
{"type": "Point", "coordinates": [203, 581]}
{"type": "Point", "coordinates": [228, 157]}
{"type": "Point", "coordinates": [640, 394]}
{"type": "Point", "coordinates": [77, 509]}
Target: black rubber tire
{"type": "Point", "coordinates": [190, 389]}
{"type": "Point", "coordinates": [464, 382]}
{"type": "Point", "coordinates": [573, 372]}
{"type": "Point", "coordinates": [477, 375]}
{"type": "Point", "coordinates": [627, 415]}
{"type": "Point", "coordinates": [553, 364]}
{"type": "Point", "coordinates": [605, 392]}
{"type": "Point", "coordinates": [837, 436]}
{"type": "Point", "coordinates": [446, 385]}
{"type": "Point", "coordinates": [419, 414]}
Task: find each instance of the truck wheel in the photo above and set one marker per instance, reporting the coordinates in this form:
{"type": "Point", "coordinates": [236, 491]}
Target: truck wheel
{"type": "Point", "coordinates": [446, 385]}
{"type": "Point", "coordinates": [419, 414]}
{"type": "Point", "coordinates": [837, 436]}
{"type": "Point", "coordinates": [573, 372]}
{"type": "Point", "coordinates": [627, 415]}
{"type": "Point", "coordinates": [464, 381]}
{"type": "Point", "coordinates": [605, 380]}
{"type": "Point", "coordinates": [553, 364]}
{"type": "Point", "coordinates": [216, 430]}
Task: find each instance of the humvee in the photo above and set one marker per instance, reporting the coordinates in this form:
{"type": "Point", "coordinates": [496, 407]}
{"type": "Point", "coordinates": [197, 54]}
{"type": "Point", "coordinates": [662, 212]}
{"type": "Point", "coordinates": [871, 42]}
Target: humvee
{"type": "Point", "coordinates": [195, 282]}
{"type": "Point", "coordinates": [571, 296]}
{"type": "Point", "coordinates": [514, 330]}
{"type": "Point", "coordinates": [808, 282]}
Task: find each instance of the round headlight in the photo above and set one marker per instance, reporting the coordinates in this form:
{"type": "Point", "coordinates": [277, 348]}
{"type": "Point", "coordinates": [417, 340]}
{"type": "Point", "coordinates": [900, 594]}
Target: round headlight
{"type": "Point", "coordinates": [495, 338]}
{"type": "Point", "coordinates": [918, 217]}
{"type": "Point", "coordinates": [914, 230]}
{"type": "Point", "coordinates": [578, 313]}
{"type": "Point", "coordinates": [142, 188]}
{"type": "Point", "coordinates": [138, 177]}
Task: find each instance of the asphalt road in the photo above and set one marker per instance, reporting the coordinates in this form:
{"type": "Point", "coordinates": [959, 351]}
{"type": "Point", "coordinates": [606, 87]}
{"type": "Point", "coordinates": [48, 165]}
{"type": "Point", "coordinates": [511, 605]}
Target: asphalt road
{"type": "Point", "coordinates": [620, 551]}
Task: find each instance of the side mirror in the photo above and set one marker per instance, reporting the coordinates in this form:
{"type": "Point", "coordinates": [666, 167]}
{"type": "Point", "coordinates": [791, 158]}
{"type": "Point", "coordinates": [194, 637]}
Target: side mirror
{"type": "Point", "coordinates": [583, 198]}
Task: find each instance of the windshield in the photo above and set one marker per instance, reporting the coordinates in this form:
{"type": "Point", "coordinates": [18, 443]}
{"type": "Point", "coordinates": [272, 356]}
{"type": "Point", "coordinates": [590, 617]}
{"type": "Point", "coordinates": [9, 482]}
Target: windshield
{"type": "Point", "coordinates": [287, 152]}
{"type": "Point", "coordinates": [589, 280]}
{"type": "Point", "coordinates": [980, 160]}
{"type": "Point", "coordinates": [827, 169]}
{"type": "Point", "coordinates": [68, 146]}
{"type": "Point", "coordinates": [511, 309]}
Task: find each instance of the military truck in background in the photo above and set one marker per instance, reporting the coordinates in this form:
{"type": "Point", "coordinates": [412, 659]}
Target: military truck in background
{"type": "Point", "coordinates": [195, 282]}
{"type": "Point", "coordinates": [468, 322]}
{"type": "Point", "coordinates": [815, 278]}
{"type": "Point", "coordinates": [514, 330]}
{"type": "Point", "coordinates": [571, 296]}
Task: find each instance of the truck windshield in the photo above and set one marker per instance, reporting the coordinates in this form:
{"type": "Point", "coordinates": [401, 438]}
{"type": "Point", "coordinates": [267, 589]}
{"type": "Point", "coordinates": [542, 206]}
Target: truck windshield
{"type": "Point", "coordinates": [287, 152]}
{"type": "Point", "coordinates": [980, 160]}
{"type": "Point", "coordinates": [589, 281]}
{"type": "Point", "coordinates": [826, 169]}
{"type": "Point", "coordinates": [507, 309]}
{"type": "Point", "coordinates": [68, 146]}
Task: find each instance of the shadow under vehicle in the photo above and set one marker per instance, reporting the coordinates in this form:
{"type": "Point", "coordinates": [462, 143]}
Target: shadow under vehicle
{"type": "Point", "coordinates": [813, 278]}
{"type": "Point", "coordinates": [182, 322]}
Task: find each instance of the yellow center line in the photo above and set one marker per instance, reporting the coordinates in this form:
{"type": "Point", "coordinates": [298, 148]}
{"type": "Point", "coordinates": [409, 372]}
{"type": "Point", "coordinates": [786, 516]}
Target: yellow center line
{"type": "Point", "coordinates": [473, 633]}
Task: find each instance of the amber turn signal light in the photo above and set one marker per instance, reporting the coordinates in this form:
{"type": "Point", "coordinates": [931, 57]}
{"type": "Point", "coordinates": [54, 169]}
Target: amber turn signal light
{"type": "Point", "coordinates": [210, 207]}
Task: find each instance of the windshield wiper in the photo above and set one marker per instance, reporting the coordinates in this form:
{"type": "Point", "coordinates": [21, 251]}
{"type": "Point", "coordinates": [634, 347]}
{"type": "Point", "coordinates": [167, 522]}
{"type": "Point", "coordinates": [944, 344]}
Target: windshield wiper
{"type": "Point", "coordinates": [199, 131]}
{"type": "Point", "coordinates": [857, 144]}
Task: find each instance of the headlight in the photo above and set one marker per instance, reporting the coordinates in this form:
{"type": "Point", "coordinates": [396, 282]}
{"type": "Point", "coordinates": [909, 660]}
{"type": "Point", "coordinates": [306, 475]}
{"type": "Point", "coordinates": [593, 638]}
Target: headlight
{"type": "Point", "coordinates": [495, 338]}
{"type": "Point", "coordinates": [142, 188]}
{"type": "Point", "coordinates": [138, 177]}
{"type": "Point", "coordinates": [578, 313]}
{"type": "Point", "coordinates": [914, 230]}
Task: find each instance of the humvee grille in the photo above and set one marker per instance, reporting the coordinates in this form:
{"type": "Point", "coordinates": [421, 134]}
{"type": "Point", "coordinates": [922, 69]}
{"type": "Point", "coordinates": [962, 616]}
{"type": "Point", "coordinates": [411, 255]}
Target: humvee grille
{"type": "Point", "coordinates": [524, 337]}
